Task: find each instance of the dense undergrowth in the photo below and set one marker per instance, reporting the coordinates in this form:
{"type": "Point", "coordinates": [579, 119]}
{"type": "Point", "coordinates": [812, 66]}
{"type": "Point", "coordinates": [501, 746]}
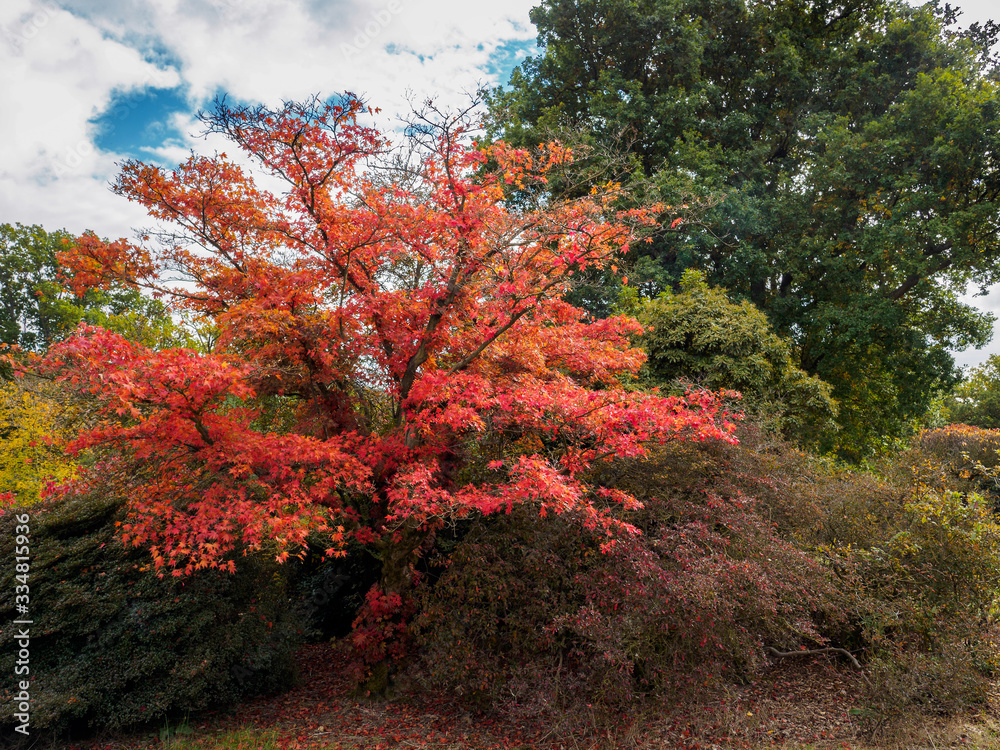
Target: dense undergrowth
{"type": "Point", "coordinates": [115, 645]}
{"type": "Point", "coordinates": [743, 548]}
{"type": "Point", "coordinates": [738, 549]}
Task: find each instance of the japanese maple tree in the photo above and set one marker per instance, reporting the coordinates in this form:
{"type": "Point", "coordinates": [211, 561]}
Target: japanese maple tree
{"type": "Point", "coordinates": [386, 319]}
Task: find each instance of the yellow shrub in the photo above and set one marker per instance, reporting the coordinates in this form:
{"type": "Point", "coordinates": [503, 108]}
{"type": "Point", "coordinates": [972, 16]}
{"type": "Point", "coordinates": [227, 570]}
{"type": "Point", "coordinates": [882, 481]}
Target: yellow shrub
{"type": "Point", "coordinates": [31, 444]}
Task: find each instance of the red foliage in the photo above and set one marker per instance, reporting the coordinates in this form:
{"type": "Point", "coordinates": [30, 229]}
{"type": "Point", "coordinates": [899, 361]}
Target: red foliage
{"type": "Point", "coordinates": [401, 313]}
{"type": "Point", "coordinates": [380, 631]}
{"type": "Point", "coordinates": [532, 612]}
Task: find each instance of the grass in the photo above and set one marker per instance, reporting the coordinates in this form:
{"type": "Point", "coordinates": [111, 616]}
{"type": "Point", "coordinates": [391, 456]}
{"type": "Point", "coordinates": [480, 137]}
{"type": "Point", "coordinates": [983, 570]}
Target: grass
{"type": "Point", "coordinates": [984, 736]}
{"type": "Point", "coordinates": [246, 738]}
{"type": "Point", "coordinates": [973, 733]}
{"type": "Point", "coordinates": [920, 736]}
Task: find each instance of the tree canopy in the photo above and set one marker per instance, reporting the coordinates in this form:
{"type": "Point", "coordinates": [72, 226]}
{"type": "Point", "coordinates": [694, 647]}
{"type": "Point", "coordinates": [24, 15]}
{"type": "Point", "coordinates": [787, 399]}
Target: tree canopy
{"type": "Point", "coordinates": [977, 400]}
{"type": "Point", "coordinates": [37, 308]}
{"type": "Point", "coordinates": [394, 350]}
{"type": "Point", "coordinates": [843, 154]}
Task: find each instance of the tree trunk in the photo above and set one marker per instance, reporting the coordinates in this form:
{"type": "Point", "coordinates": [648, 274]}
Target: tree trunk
{"type": "Point", "coordinates": [399, 552]}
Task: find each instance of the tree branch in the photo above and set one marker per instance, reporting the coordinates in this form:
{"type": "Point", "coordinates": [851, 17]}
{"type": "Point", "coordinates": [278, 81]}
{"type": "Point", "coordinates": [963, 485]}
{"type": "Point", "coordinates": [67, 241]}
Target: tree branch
{"type": "Point", "coordinates": [811, 652]}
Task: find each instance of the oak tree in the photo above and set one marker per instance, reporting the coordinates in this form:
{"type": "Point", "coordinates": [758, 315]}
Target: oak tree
{"type": "Point", "coordinates": [847, 149]}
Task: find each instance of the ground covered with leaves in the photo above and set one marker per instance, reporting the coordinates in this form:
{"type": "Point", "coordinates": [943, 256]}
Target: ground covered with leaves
{"type": "Point", "coordinates": [795, 703]}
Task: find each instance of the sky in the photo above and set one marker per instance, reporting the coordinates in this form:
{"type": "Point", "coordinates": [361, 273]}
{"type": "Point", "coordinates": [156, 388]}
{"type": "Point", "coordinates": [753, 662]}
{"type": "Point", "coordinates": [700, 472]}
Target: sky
{"type": "Point", "coordinates": [89, 83]}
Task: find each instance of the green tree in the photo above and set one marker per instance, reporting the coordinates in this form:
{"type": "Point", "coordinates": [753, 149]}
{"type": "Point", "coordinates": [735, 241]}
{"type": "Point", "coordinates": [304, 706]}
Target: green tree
{"type": "Point", "coordinates": [700, 336]}
{"type": "Point", "coordinates": [845, 151]}
{"type": "Point", "coordinates": [977, 400]}
{"type": "Point", "coordinates": [36, 309]}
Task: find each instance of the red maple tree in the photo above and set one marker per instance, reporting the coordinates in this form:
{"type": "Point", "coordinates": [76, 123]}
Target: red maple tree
{"type": "Point", "coordinates": [394, 348]}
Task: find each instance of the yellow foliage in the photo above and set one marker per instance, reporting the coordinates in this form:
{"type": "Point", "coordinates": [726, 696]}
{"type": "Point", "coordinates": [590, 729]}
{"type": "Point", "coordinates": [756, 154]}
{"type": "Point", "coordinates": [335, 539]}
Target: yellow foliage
{"type": "Point", "coordinates": [31, 444]}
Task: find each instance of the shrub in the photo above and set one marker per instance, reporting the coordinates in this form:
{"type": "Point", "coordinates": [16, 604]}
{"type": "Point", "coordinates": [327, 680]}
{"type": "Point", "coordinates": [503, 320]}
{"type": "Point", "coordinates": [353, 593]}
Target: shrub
{"type": "Point", "coordinates": [950, 679]}
{"type": "Point", "coordinates": [32, 433]}
{"type": "Point", "coordinates": [960, 456]}
{"type": "Point", "coordinates": [919, 569]}
{"type": "Point", "coordinates": [914, 553]}
{"type": "Point", "coordinates": [329, 591]}
{"type": "Point", "coordinates": [699, 335]}
{"type": "Point", "coordinates": [742, 547]}
{"type": "Point", "coordinates": [114, 644]}
{"type": "Point", "coordinates": [934, 579]}
{"type": "Point", "coordinates": [540, 612]}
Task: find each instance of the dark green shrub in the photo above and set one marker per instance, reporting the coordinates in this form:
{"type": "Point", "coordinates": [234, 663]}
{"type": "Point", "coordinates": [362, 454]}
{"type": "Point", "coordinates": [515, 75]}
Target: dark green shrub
{"type": "Point", "coordinates": [115, 645]}
{"type": "Point", "coordinates": [330, 591]}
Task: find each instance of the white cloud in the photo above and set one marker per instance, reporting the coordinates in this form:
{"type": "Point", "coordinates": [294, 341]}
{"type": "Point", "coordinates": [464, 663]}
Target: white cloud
{"type": "Point", "coordinates": [268, 50]}
{"type": "Point", "coordinates": [57, 72]}
{"type": "Point", "coordinates": [60, 66]}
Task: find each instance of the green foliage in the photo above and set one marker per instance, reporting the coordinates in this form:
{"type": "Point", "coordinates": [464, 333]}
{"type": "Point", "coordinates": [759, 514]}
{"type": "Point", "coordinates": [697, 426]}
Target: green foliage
{"type": "Point", "coordinates": [918, 563]}
{"type": "Point", "coordinates": [29, 317]}
{"type": "Point", "coordinates": [698, 335]}
{"type": "Point", "coordinates": [36, 310]}
{"type": "Point", "coordinates": [941, 566]}
{"type": "Point", "coordinates": [976, 401]}
{"type": "Point", "coordinates": [925, 594]}
{"type": "Point", "coordinates": [913, 544]}
{"type": "Point", "coordinates": [841, 156]}
{"type": "Point", "coordinates": [115, 645]}
{"type": "Point", "coordinates": [913, 555]}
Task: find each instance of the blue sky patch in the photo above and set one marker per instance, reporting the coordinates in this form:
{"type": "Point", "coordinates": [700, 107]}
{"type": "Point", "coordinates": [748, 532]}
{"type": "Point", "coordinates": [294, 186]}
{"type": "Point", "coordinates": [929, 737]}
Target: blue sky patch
{"type": "Point", "coordinates": [138, 119]}
{"type": "Point", "coordinates": [508, 56]}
